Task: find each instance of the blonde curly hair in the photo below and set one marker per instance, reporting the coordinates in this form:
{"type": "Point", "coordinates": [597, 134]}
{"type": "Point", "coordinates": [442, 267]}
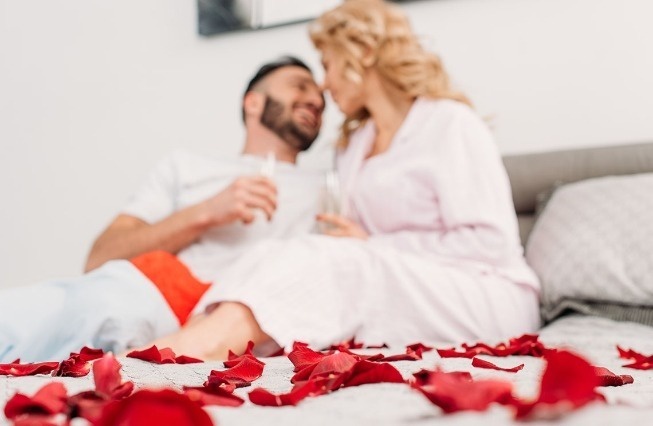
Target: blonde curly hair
{"type": "Point", "coordinates": [359, 27]}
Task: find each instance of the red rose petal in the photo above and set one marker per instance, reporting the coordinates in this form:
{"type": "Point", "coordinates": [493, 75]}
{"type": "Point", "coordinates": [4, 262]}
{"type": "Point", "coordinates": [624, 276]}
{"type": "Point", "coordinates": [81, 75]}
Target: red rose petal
{"type": "Point", "coordinates": [423, 376]}
{"type": "Point", "coordinates": [240, 375]}
{"type": "Point", "coordinates": [526, 345]}
{"type": "Point", "coordinates": [75, 366]}
{"type": "Point", "coordinates": [366, 372]}
{"type": "Point", "coordinates": [338, 362]}
{"type": "Point", "coordinates": [233, 359]}
{"type": "Point", "coordinates": [184, 359]}
{"type": "Point", "coordinates": [608, 378]}
{"type": "Point", "coordinates": [349, 344]}
{"type": "Point", "coordinates": [50, 399]}
{"type": "Point", "coordinates": [108, 381]}
{"type": "Point", "coordinates": [146, 407]}
{"type": "Point", "coordinates": [17, 369]}
{"type": "Point", "coordinates": [481, 363]}
{"type": "Point", "coordinates": [419, 347]}
{"type": "Point", "coordinates": [455, 392]}
{"type": "Point", "coordinates": [154, 355]}
{"type": "Point", "coordinates": [214, 395]}
{"type": "Point", "coordinates": [89, 354]}
{"type": "Point", "coordinates": [640, 361]}
{"type": "Point", "coordinates": [302, 356]}
{"type": "Point", "coordinates": [568, 382]}
{"type": "Point", "coordinates": [87, 405]}
{"type": "Point", "coordinates": [260, 396]}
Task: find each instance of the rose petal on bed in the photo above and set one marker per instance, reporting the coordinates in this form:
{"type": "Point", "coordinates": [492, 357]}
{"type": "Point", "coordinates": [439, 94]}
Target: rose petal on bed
{"type": "Point", "coordinates": [260, 396]}
{"type": "Point", "coordinates": [154, 355]}
{"type": "Point", "coordinates": [75, 366]}
{"type": "Point", "coordinates": [108, 381]}
{"type": "Point", "coordinates": [302, 356]}
{"type": "Point", "coordinates": [608, 378]}
{"type": "Point", "coordinates": [214, 395]}
{"type": "Point", "coordinates": [455, 392]}
{"type": "Point", "coordinates": [525, 345]}
{"type": "Point", "coordinates": [423, 376]}
{"type": "Point", "coordinates": [410, 355]}
{"type": "Point", "coordinates": [184, 359]}
{"type": "Point", "coordinates": [568, 382]}
{"type": "Point", "coordinates": [640, 361]}
{"type": "Point", "coordinates": [233, 359]}
{"type": "Point", "coordinates": [148, 407]}
{"type": "Point", "coordinates": [240, 375]}
{"type": "Point", "coordinates": [89, 354]}
{"type": "Point", "coordinates": [366, 372]}
{"type": "Point", "coordinates": [50, 399]}
{"type": "Point", "coordinates": [481, 363]}
{"type": "Point", "coordinates": [349, 344]}
{"type": "Point", "coordinates": [87, 405]}
{"type": "Point", "coordinates": [336, 363]}
{"type": "Point", "coordinates": [453, 353]}
{"type": "Point", "coordinates": [17, 369]}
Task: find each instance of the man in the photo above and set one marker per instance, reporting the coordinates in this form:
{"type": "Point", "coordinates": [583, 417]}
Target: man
{"type": "Point", "coordinates": [205, 212]}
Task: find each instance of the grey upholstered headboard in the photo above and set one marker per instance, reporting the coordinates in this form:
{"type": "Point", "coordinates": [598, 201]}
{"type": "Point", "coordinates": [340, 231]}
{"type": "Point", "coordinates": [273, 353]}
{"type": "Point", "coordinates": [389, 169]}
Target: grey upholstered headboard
{"type": "Point", "coordinates": [531, 174]}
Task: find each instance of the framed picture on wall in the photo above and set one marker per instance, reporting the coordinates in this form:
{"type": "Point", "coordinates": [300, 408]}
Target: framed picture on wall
{"type": "Point", "coordinates": [222, 16]}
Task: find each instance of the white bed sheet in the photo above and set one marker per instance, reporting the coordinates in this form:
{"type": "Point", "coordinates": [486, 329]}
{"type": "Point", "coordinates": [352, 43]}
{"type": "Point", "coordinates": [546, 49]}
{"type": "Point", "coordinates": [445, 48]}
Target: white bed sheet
{"type": "Point", "coordinates": [392, 404]}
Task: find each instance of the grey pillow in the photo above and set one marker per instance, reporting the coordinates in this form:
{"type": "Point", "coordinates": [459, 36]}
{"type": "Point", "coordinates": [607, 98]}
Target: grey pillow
{"type": "Point", "coordinates": [594, 242]}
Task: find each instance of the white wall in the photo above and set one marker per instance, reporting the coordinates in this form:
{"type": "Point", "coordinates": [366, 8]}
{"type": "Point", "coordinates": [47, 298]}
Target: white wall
{"type": "Point", "coordinates": [93, 93]}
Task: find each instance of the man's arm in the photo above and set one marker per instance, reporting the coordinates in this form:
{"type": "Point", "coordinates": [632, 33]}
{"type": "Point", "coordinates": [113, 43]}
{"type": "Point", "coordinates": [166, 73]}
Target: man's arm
{"type": "Point", "coordinates": [128, 236]}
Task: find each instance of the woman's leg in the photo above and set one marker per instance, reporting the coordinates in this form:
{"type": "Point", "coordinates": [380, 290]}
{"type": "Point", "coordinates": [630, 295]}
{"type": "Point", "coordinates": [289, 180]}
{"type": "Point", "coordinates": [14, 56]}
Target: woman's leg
{"type": "Point", "coordinates": [210, 336]}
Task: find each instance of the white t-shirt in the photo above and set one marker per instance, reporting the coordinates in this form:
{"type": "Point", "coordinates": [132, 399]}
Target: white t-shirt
{"type": "Point", "coordinates": [184, 179]}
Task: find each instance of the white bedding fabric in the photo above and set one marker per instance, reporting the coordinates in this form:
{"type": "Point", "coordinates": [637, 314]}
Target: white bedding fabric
{"type": "Point", "coordinates": [391, 404]}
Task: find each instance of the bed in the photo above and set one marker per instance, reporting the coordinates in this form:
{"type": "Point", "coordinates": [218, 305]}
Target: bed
{"type": "Point", "coordinates": [585, 318]}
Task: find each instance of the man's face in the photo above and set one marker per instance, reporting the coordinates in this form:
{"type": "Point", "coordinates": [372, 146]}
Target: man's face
{"type": "Point", "coordinates": [293, 106]}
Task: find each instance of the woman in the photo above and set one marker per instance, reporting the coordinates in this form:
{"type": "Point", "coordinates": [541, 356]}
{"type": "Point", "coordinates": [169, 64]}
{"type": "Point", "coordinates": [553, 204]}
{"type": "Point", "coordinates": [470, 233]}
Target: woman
{"type": "Point", "coordinates": [429, 248]}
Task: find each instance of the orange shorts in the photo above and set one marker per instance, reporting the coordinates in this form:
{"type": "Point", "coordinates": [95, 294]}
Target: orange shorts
{"type": "Point", "coordinates": [178, 286]}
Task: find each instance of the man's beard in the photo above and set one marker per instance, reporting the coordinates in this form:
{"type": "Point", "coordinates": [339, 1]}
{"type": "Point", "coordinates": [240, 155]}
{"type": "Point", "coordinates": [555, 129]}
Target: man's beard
{"type": "Point", "coordinates": [274, 119]}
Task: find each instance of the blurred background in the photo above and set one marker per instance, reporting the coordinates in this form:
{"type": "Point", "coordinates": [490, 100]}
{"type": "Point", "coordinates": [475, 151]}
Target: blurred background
{"type": "Point", "coordinates": [94, 93]}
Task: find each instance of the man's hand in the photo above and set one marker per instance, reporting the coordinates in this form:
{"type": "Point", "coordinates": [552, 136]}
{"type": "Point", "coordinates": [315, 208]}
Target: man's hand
{"type": "Point", "coordinates": [340, 226]}
{"type": "Point", "coordinates": [240, 200]}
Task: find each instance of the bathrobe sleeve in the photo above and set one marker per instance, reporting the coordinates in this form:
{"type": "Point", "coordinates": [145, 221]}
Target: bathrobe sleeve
{"type": "Point", "coordinates": [471, 190]}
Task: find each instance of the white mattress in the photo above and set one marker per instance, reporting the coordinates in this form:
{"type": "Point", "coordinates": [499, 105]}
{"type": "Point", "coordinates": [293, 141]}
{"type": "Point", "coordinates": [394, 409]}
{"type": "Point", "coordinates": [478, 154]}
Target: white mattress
{"type": "Point", "coordinates": [390, 404]}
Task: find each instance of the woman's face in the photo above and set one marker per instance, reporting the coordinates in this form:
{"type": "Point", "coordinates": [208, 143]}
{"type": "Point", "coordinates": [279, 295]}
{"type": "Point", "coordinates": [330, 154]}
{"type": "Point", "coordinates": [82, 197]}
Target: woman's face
{"type": "Point", "coordinates": [348, 95]}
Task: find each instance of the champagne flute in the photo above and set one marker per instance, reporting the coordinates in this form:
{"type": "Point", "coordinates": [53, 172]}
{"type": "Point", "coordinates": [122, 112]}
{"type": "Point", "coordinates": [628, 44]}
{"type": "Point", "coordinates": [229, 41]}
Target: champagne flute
{"type": "Point", "coordinates": [330, 198]}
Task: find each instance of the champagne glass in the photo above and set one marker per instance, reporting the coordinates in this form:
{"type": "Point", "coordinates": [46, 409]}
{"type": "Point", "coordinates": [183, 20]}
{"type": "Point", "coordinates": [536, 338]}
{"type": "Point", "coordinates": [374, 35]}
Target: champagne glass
{"type": "Point", "coordinates": [330, 198]}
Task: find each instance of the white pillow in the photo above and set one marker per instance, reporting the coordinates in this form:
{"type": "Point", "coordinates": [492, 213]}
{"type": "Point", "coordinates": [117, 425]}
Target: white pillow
{"type": "Point", "coordinates": [594, 242]}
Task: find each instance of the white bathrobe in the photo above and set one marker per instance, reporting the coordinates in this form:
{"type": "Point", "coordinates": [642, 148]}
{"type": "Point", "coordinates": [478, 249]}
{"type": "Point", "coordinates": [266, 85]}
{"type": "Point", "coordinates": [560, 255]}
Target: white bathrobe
{"type": "Point", "coordinates": [443, 261]}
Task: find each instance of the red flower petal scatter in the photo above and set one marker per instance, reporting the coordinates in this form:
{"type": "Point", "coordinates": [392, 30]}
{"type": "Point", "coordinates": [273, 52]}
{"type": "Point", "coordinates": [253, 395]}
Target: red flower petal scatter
{"type": "Point", "coordinates": [608, 378]}
{"type": "Point", "coordinates": [260, 396]}
{"type": "Point", "coordinates": [78, 364]}
{"type": "Point", "coordinates": [150, 407]}
{"type": "Point", "coordinates": [49, 400]}
{"type": "Point", "coordinates": [568, 383]}
{"type": "Point", "coordinates": [240, 375]}
{"type": "Point", "coordinates": [458, 392]}
{"type": "Point", "coordinates": [17, 369]}
{"type": "Point", "coordinates": [528, 344]}
{"type": "Point", "coordinates": [481, 363]}
{"type": "Point", "coordinates": [162, 356]}
{"type": "Point", "coordinates": [233, 359]}
{"type": "Point", "coordinates": [108, 381]}
{"type": "Point", "coordinates": [639, 361]}
{"type": "Point", "coordinates": [214, 395]}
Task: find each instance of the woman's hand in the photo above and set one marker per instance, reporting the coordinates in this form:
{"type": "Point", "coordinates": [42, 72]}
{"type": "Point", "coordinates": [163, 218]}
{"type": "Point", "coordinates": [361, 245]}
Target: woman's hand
{"type": "Point", "coordinates": [340, 226]}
